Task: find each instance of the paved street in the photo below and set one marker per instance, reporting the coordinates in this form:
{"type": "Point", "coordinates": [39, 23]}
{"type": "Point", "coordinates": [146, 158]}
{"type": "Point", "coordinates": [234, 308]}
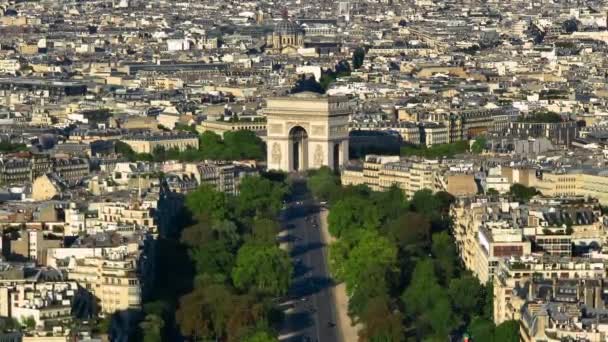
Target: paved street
{"type": "Point", "coordinates": [309, 311]}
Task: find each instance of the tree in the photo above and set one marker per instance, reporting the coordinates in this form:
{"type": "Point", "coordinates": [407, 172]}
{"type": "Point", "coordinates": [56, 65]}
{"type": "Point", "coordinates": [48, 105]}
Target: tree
{"type": "Point", "coordinates": [203, 313]}
{"type": "Point", "coordinates": [481, 329]}
{"type": "Point", "coordinates": [261, 336]}
{"type": "Point", "coordinates": [488, 301]}
{"type": "Point", "coordinates": [8, 147]}
{"type": "Point", "coordinates": [207, 201]}
{"type": "Point", "coordinates": [479, 145]}
{"type": "Point", "coordinates": [571, 25]}
{"type": "Point", "coordinates": [365, 261]}
{"type": "Point", "coordinates": [507, 331]}
{"type": "Point", "coordinates": [467, 297]}
{"type": "Point", "coordinates": [370, 260]}
{"type": "Point", "coordinates": [152, 328]}
{"type": "Point", "coordinates": [411, 231]}
{"type": "Point", "coordinates": [390, 203]}
{"type": "Point", "coordinates": [125, 150]}
{"type": "Point", "coordinates": [260, 196]}
{"type": "Point", "coordinates": [211, 145]}
{"type": "Point", "coordinates": [522, 193]}
{"type": "Point", "coordinates": [492, 192]}
{"type": "Point", "coordinates": [243, 144]}
{"type": "Point", "coordinates": [425, 203]}
{"type": "Point", "coordinates": [427, 303]}
{"type": "Point", "coordinates": [29, 322]}
{"type": "Point", "coordinates": [541, 117]}
{"type": "Point", "coordinates": [350, 214]}
{"type": "Point", "coordinates": [305, 83]}
{"type": "Point", "coordinates": [323, 183]}
{"type": "Point", "coordinates": [159, 154]}
{"type": "Point", "coordinates": [193, 315]}
{"type": "Point", "coordinates": [246, 314]}
{"type": "Point", "coordinates": [263, 268]}
{"type": "Point", "coordinates": [444, 252]}
{"type": "Point", "coordinates": [214, 258]}
{"type": "Point", "coordinates": [264, 230]}
{"type": "Point", "coordinates": [185, 128]}
{"type": "Point", "coordinates": [358, 57]}
{"type": "Point", "coordinates": [381, 323]}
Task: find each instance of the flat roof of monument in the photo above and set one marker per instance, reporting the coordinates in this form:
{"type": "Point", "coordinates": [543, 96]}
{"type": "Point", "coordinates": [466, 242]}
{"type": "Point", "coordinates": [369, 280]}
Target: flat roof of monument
{"type": "Point", "coordinates": [310, 96]}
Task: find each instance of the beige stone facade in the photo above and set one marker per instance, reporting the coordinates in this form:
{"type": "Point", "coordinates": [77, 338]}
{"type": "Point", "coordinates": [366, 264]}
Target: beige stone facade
{"type": "Point", "coordinates": [44, 189]}
{"type": "Point", "coordinates": [482, 244]}
{"type": "Point", "coordinates": [147, 143]}
{"type": "Point", "coordinates": [575, 182]}
{"type": "Point", "coordinates": [306, 131]}
{"type": "Point", "coordinates": [382, 172]}
{"type": "Point", "coordinates": [221, 127]}
{"type": "Point", "coordinates": [114, 282]}
{"type": "Point", "coordinates": [33, 244]}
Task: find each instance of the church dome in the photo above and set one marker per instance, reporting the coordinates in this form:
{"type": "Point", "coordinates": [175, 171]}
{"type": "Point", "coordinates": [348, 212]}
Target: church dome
{"type": "Point", "coordinates": [287, 27]}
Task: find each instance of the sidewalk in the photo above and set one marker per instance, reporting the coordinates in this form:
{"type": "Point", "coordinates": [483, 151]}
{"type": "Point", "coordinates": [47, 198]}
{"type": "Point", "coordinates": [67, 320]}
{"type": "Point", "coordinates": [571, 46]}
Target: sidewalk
{"type": "Point", "coordinates": [348, 333]}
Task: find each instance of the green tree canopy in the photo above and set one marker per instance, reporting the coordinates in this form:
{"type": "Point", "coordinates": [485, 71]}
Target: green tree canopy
{"type": "Point", "coordinates": [261, 336]}
{"type": "Point", "coordinates": [352, 213]}
{"type": "Point", "coordinates": [445, 254]}
{"type": "Point", "coordinates": [207, 201]}
{"type": "Point", "coordinates": [211, 145]}
{"type": "Point", "coordinates": [243, 144]}
{"type": "Point", "coordinates": [479, 145]}
{"type": "Point", "coordinates": [390, 203]}
{"type": "Point", "coordinates": [507, 331]}
{"type": "Point", "coordinates": [411, 231]}
{"type": "Point", "coordinates": [235, 145]}
{"type": "Point", "coordinates": [263, 268]}
{"type": "Point", "coordinates": [264, 230]}
{"type": "Point", "coordinates": [366, 262]}
{"type": "Point", "coordinates": [260, 196]}
{"type": "Point", "coordinates": [152, 328]}
{"type": "Point", "coordinates": [381, 323]}
{"type": "Point", "coordinates": [305, 83]}
{"type": "Point", "coordinates": [467, 296]}
{"type": "Point", "coordinates": [8, 147]}
{"type": "Point", "coordinates": [425, 203]}
{"type": "Point", "coordinates": [481, 329]}
{"type": "Point", "coordinates": [323, 183]}
{"type": "Point", "coordinates": [370, 260]}
{"type": "Point", "coordinates": [522, 193]}
{"type": "Point", "coordinates": [214, 259]}
{"type": "Point", "coordinates": [212, 311]}
{"type": "Point", "coordinates": [427, 302]}
{"type": "Point", "coordinates": [541, 117]}
{"type": "Point", "coordinates": [358, 57]}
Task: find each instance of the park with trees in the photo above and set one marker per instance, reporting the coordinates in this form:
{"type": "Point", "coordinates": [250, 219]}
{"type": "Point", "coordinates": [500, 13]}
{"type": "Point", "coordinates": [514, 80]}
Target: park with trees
{"type": "Point", "coordinates": [218, 278]}
{"type": "Point", "coordinates": [234, 145]}
{"type": "Point", "coordinates": [401, 268]}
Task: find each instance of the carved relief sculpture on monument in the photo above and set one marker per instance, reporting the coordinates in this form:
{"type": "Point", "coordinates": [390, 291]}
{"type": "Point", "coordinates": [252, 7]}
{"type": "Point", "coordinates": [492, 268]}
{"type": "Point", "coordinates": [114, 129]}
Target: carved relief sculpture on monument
{"type": "Point", "coordinates": [318, 158]}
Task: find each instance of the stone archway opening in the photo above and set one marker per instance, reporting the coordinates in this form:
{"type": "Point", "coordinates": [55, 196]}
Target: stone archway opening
{"type": "Point", "coordinates": [336, 157]}
{"type": "Point", "coordinates": [298, 139]}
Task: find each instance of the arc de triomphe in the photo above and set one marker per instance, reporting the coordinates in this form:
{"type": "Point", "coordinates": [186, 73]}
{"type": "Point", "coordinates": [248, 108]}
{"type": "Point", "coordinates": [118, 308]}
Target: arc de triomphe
{"type": "Point", "coordinates": [306, 131]}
